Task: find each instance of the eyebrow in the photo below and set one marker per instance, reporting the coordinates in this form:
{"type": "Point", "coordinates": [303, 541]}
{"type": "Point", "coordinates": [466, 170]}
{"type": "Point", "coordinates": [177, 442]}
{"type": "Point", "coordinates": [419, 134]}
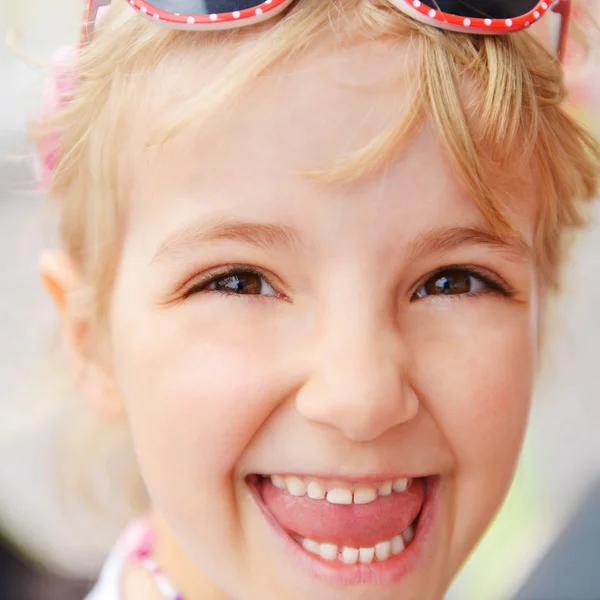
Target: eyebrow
{"type": "Point", "coordinates": [269, 236]}
{"type": "Point", "coordinates": [262, 235]}
{"type": "Point", "coordinates": [443, 240]}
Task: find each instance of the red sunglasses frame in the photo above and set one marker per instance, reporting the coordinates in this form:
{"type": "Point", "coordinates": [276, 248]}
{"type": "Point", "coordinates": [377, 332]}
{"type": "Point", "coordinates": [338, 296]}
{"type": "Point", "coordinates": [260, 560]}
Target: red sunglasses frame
{"type": "Point", "coordinates": [417, 9]}
{"type": "Point", "coordinates": [263, 10]}
{"type": "Point", "coordinates": [421, 11]}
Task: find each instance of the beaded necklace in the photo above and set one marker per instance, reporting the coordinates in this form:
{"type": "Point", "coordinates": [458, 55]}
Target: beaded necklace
{"type": "Point", "coordinates": [138, 544]}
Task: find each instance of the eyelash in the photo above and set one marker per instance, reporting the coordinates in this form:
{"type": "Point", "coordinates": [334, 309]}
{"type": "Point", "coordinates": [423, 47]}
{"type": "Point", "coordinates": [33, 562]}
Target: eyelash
{"type": "Point", "coordinates": [495, 285]}
{"type": "Point", "coordinates": [216, 275]}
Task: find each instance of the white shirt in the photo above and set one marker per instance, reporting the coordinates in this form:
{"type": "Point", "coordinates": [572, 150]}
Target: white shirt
{"type": "Point", "coordinates": [109, 583]}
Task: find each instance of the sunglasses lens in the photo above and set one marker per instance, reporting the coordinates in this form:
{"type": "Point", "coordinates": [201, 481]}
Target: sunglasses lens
{"type": "Point", "coordinates": [204, 7]}
{"type": "Point", "coordinates": [484, 9]}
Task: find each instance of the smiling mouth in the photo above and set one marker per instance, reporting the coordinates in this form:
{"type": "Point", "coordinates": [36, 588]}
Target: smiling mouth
{"type": "Point", "coordinates": [343, 524]}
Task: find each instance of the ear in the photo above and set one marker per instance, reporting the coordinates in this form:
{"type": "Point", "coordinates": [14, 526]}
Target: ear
{"type": "Point", "coordinates": [86, 349]}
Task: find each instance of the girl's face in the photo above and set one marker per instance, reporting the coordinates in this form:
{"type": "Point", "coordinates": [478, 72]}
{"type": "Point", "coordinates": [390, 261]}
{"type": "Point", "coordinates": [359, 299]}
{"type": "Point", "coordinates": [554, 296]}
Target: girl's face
{"type": "Point", "coordinates": [276, 339]}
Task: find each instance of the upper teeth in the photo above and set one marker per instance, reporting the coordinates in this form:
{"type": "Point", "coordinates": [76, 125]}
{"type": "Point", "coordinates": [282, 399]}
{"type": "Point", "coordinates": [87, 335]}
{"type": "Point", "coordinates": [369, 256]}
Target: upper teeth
{"type": "Point", "coordinates": [335, 493]}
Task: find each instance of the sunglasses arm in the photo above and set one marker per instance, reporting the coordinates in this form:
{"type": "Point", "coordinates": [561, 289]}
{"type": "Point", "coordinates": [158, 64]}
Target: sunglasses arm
{"type": "Point", "coordinates": [560, 29]}
{"type": "Point", "coordinates": [92, 8]}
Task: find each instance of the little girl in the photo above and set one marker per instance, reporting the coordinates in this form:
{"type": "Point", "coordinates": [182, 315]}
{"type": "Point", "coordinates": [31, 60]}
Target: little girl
{"type": "Point", "coordinates": [305, 253]}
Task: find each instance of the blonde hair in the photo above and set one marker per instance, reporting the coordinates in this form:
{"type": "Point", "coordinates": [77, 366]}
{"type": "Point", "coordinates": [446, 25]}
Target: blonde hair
{"type": "Point", "coordinates": [515, 114]}
{"type": "Point", "coordinates": [512, 120]}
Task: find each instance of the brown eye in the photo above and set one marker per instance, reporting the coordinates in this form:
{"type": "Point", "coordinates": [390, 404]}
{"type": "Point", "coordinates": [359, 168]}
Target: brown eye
{"type": "Point", "coordinates": [451, 283]}
{"type": "Point", "coordinates": [240, 283]}
{"type": "Point", "coordinates": [246, 283]}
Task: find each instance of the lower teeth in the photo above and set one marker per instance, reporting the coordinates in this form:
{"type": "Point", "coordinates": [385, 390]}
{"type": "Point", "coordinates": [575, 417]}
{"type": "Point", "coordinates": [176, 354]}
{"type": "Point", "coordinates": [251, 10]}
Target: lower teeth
{"type": "Point", "coordinates": [365, 556]}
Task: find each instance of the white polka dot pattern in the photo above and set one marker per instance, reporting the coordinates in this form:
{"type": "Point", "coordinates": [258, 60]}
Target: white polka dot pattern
{"type": "Point", "coordinates": [425, 10]}
{"type": "Point", "coordinates": [428, 12]}
{"type": "Point", "coordinates": [259, 11]}
{"type": "Point", "coordinates": [444, 20]}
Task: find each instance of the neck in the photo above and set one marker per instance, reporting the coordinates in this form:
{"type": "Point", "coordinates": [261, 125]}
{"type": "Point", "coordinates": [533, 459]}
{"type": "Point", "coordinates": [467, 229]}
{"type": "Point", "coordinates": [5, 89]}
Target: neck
{"type": "Point", "coordinates": [137, 584]}
{"type": "Point", "coordinates": [179, 568]}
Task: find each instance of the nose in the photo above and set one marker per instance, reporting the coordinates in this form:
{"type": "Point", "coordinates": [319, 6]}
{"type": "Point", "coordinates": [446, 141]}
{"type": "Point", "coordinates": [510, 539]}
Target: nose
{"type": "Point", "coordinates": [360, 383]}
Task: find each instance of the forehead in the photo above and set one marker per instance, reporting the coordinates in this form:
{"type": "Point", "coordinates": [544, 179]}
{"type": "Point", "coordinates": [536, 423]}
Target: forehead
{"type": "Point", "coordinates": [356, 92]}
{"type": "Point", "coordinates": [302, 115]}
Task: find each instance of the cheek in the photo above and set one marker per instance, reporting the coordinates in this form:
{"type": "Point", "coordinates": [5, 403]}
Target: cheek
{"type": "Point", "coordinates": [483, 407]}
{"type": "Point", "coordinates": [197, 388]}
{"type": "Point", "coordinates": [476, 371]}
{"type": "Point", "coordinates": [476, 376]}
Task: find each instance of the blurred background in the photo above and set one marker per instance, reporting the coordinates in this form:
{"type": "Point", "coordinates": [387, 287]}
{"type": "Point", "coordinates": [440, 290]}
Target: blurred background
{"type": "Point", "coordinates": [545, 545]}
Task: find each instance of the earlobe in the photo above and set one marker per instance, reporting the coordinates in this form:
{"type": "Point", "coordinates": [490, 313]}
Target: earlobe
{"type": "Point", "coordinates": [86, 354]}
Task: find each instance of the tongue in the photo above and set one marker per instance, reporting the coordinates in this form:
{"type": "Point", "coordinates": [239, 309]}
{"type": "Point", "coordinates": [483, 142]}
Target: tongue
{"type": "Point", "coordinates": [354, 525]}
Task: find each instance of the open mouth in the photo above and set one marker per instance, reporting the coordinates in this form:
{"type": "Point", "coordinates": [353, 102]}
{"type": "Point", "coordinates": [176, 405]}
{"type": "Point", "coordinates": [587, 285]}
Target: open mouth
{"type": "Point", "coordinates": [346, 525]}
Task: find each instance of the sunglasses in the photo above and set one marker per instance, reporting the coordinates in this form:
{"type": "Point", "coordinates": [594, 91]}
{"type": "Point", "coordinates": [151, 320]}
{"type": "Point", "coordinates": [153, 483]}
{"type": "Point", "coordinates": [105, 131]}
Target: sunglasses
{"type": "Point", "coordinates": [491, 17]}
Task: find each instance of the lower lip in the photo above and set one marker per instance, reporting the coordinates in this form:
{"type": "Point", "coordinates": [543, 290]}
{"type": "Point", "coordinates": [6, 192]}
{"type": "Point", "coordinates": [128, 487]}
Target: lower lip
{"type": "Point", "coordinates": [382, 573]}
